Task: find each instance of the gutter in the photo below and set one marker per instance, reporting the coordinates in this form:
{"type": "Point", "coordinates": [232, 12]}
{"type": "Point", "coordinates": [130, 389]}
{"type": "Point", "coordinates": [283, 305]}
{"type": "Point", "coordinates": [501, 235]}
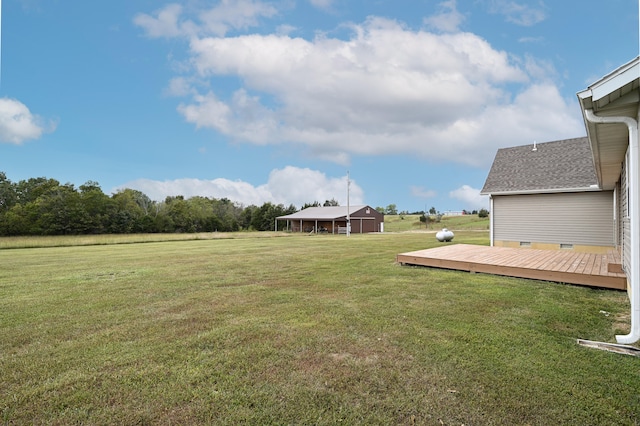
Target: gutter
{"type": "Point", "coordinates": [593, 188]}
{"type": "Point", "coordinates": [634, 213]}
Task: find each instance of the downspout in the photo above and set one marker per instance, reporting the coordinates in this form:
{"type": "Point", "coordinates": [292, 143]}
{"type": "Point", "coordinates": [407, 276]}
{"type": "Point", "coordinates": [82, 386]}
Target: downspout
{"type": "Point", "coordinates": [634, 213]}
{"type": "Point", "coordinates": [491, 220]}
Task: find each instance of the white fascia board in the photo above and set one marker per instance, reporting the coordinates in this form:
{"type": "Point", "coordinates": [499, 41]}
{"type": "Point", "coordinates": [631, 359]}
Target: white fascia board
{"type": "Point", "coordinates": [616, 80]}
{"type": "Point", "coordinates": [544, 191]}
{"type": "Point", "coordinates": [585, 94]}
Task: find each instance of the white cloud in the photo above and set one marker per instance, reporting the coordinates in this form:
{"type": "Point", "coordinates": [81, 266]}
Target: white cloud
{"type": "Point", "coordinates": [179, 86]}
{"type": "Point", "coordinates": [207, 112]}
{"type": "Point", "coordinates": [285, 29]}
{"type": "Point", "coordinates": [163, 24]}
{"type": "Point", "coordinates": [290, 185]}
{"type": "Point", "coordinates": [448, 20]}
{"type": "Point", "coordinates": [471, 197]}
{"type": "Point", "coordinates": [420, 192]}
{"type": "Point", "coordinates": [18, 124]}
{"type": "Point", "coordinates": [539, 69]}
{"type": "Point", "coordinates": [225, 16]}
{"type": "Point", "coordinates": [386, 89]}
{"type": "Point", "coordinates": [322, 4]}
{"type": "Point", "coordinates": [519, 13]}
{"type": "Point", "coordinates": [235, 14]}
{"type": "Point", "coordinates": [538, 39]}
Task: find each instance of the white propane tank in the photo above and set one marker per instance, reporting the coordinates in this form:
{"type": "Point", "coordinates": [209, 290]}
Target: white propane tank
{"type": "Point", "coordinates": [444, 235]}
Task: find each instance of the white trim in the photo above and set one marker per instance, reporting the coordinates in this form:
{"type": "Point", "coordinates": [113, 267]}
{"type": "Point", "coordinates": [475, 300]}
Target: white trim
{"type": "Point", "coordinates": [621, 79]}
{"type": "Point", "coordinates": [545, 191]}
{"type": "Point", "coordinates": [612, 81]}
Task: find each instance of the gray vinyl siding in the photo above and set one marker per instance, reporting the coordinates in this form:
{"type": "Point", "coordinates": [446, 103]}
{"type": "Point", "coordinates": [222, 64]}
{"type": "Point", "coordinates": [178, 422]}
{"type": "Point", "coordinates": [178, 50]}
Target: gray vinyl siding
{"type": "Point", "coordinates": [619, 216]}
{"type": "Point", "coordinates": [624, 219]}
{"type": "Point", "coordinates": [580, 218]}
{"type": "Point", "coordinates": [626, 245]}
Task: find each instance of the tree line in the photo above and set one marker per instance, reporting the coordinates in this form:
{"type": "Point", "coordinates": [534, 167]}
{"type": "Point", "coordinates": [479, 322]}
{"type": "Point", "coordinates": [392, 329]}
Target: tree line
{"type": "Point", "coordinates": [42, 206]}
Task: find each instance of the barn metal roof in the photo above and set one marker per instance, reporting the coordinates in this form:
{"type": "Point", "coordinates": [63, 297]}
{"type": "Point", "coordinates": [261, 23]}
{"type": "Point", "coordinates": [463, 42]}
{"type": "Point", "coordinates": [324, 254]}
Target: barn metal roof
{"type": "Point", "coordinates": [324, 213]}
{"type": "Point", "coordinates": [558, 166]}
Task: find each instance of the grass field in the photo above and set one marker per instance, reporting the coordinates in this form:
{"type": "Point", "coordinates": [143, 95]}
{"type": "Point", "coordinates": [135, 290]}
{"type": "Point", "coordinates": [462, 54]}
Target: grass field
{"type": "Point", "coordinates": [253, 329]}
{"type": "Point", "coordinates": [404, 223]}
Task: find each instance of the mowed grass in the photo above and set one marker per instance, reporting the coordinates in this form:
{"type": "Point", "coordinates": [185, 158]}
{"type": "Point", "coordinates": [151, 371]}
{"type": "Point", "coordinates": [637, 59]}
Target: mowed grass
{"type": "Point", "coordinates": [404, 223]}
{"type": "Point", "coordinates": [300, 330]}
{"type": "Point", "coordinates": [108, 239]}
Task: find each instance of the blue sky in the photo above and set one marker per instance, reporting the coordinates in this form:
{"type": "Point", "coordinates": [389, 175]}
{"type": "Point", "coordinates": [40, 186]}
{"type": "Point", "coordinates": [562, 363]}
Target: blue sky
{"type": "Point", "coordinates": [276, 100]}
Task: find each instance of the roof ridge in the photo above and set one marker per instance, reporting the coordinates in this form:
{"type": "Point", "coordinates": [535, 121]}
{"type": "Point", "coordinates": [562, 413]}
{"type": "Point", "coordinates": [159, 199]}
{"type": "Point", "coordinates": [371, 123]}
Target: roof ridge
{"type": "Point", "coordinates": [553, 165]}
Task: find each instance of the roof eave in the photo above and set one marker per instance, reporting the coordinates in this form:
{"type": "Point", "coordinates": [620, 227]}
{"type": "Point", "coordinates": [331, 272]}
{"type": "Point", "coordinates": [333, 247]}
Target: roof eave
{"type": "Point", "coordinates": [597, 96]}
{"type": "Point", "coordinates": [543, 191]}
{"type": "Point", "coordinates": [613, 81]}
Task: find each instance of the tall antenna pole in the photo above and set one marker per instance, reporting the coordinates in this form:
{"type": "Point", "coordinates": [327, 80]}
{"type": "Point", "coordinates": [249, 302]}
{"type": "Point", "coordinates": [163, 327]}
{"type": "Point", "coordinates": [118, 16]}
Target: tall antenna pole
{"type": "Point", "coordinates": [0, 42]}
{"type": "Point", "coordinates": [348, 206]}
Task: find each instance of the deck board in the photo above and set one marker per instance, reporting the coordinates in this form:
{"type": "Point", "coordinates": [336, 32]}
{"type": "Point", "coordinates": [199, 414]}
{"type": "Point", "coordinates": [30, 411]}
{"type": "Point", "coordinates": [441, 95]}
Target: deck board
{"type": "Point", "coordinates": [550, 265]}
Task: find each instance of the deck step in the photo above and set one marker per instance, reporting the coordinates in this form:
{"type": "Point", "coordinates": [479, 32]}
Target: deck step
{"type": "Point", "coordinates": [615, 268]}
{"type": "Point", "coordinates": [614, 262]}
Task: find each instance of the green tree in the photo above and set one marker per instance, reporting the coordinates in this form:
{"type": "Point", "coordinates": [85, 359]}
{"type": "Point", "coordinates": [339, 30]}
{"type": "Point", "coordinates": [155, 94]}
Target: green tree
{"type": "Point", "coordinates": [426, 219]}
{"type": "Point", "coordinates": [483, 213]}
{"type": "Point", "coordinates": [126, 214]}
{"type": "Point", "coordinates": [8, 194]}
{"type": "Point", "coordinates": [246, 217]}
{"type": "Point", "coordinates": [264, 218]}
{"type": "Point", "coordinates": [29, 190]}
{"type": "Point", "coordinates": [307, 205]}
{"type": "Point", "coordinates": [16, 221]}
{"type": "Point", "coordinates": [179, 213]}
{"type": "Point", "coordinates": [228, 215]}
{"type": "Point", "coordinates": [98, 206]}
{"type": "Point", "coordinates": [391, 209]}
{"type": "Point", "coordinates": [61, 212]}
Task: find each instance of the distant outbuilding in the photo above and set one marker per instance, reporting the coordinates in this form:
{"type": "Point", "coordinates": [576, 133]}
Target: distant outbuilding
{"type": "Point", "coordinates": [333, 220]}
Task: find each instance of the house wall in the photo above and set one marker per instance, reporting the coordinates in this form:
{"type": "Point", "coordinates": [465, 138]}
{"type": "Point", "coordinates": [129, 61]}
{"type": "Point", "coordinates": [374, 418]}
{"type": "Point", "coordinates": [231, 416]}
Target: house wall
{"type": "Point", "coordinates": [619, 215]}
{"type": "Point", "coordinates": [581, 220]}
{"type": "Point", "coordinates": [625, 220]}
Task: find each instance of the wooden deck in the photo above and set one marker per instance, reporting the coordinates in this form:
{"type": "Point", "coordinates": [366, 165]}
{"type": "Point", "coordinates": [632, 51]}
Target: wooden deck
{"type": "Point", "coordinates": [595, 270]}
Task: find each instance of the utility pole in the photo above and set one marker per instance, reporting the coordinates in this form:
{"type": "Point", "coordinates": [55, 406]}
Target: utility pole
{"type": "Point", "coordinates": [348, 207]}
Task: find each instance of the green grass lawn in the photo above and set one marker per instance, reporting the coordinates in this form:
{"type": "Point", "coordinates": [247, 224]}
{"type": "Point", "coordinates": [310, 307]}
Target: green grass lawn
{"type": "Point", "coordinates": [253, 329]}
{"type": "Point", "coordinates": [404, 223]}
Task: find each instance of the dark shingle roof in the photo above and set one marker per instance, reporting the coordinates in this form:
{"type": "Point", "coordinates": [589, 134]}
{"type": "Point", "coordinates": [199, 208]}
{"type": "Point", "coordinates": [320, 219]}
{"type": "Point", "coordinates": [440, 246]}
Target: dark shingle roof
{"type": "Point", "coordinates": [553, 166]}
